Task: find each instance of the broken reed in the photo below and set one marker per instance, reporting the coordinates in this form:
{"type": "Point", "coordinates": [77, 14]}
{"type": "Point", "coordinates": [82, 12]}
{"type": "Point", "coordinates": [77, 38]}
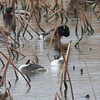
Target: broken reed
{"type": "Point", "coordinates": [4, 94]}
{"type": "Point", "coordinates": [16, 68]}
{"type": "Point", "coordinates": [52, 37]}
{"type": "Point", "coordinates": [65, 70]}
{"type": "Point", "coordinates": [56, 95]}
{"type": "Point", "coordinates": [4, 74]}
{"type": "Point", "coordinates": [65, 66]}
{"type": "Point", "coordinates": [29, 24]}
{"type": "Point", "coordinates": [90, 80]}
{"type": "Point", "coordinates": [83, 21]}
{"type": "Point", "coordinates": [18, 34]}
{"type": "Point", "coordinates": [4, 35]}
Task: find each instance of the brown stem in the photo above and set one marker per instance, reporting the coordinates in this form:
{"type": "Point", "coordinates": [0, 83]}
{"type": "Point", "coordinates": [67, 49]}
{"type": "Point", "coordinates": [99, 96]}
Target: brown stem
{"type": "Point", "coordinates": [52, 37]}
{"type": "Point", "coordinates": [4, 74]}
{"type": "Point", "coordinates": [17, 51]}
{"type": "Point", "coordinates": [54, 14]}
{"type": "Point", "coordinates": [17, 69]}
{"type": "Point", "coordinates": [3, 33]}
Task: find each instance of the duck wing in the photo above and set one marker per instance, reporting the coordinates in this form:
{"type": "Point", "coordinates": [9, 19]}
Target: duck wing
{"type": "Point", "coordinates": [33, 67]}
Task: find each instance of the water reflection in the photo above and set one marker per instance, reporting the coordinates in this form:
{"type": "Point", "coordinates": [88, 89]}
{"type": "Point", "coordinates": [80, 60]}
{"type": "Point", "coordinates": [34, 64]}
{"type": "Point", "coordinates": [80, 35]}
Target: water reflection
{"type": "Point", "coordinates": [46, 84]}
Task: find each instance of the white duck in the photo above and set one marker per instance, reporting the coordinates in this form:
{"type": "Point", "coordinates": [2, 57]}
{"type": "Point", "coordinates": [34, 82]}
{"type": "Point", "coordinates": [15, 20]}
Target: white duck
{"type": "Point", "coordinates": [58, 61]}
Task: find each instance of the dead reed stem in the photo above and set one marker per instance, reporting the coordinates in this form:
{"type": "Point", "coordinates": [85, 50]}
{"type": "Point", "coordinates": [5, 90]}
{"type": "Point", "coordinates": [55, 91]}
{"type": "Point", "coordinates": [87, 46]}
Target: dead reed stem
{"type": "Point", "coordinates": [14, 40]}
{"type": "Point", "coordinates": [4, 41]}
{"type": "Point", "coordinates": [60, 45]}
{"type": "Point", "coordinates": [56, 95]}
{"type": "Point", "coordinates": [28, 24]}
{"type": "Point", "coordinates": [16, 69]}
{"type": "Point", "coordinates": [2, 98]}
{"type": "Point", "coordinates": [53, 14]}
{"type": "Point", "coordinates": [35, 55]}
{"type": "Point", "coordinates": [33, 10]}
{"type": "Point", "coordinates": [37, 21]}
{"type": "Point", "coordinates": [65, 69]}
{"type": "Point", "coordinates": [77, 4]}
{"type": "Point", "coordinates": [6, 68]}
{"type": "Point", "coordinates": [3, 33]}
{"type": "Point", "coordinates": [51, 5]}
{"type": "Point", "coordinates": [90, 80]}
{"type": "Point", "coordinates": [35, 14]}
{"type": "Point", "coordinates": [61, 80]}
{"type": "Point", "coordinates": [27, 6]}
{"type": "Point", "coordinates": [52, 37]}
{"type": "Point", "coordinates": [61, 7]}
{"type": "Point", "coordinates": [22, 24]}
{"type": "Point", "coordinates": [14, 20]}
{"type": "Point", "coordinates": [45, 3]}
{"type": "Point", "coordinates": [17, 51]}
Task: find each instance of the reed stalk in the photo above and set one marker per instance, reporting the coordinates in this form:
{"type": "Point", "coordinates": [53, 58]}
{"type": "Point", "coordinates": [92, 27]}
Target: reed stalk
{"type": "Point", "coordinates": [3, 33]}
{"type": "Point", "coordinates": [65, 66]}
{"type": "Point", "coordinates": [36, 58]}
{"type": "Point", "coordinates": [2, 98]}
{"type": "Point", "coordinates": [47, 6]}
{"type": "Point", "coordinates": [17, 51]}
{"type": "Point", "coordinates": [14, 40]}
{"type": "Point", "coordinates": [77, 43]}
{"type": "Point", "coordinates": [6, 68]}
{"type": "Point", "coordinates": [53, 14]}
{"type": "Point", "coordinates": [29, 25]}
{"type": "Point", "coordinates": [27, 6]}
{"type": "Point", "coordinates": [18, 34]}
{"type": "Point", "coordinates": [16, 69]}
{"type": "Point", "coordinates": [61, 81]}
{"type": "Point", "coordinates": [37, 22]}
{"type": "Point", "coordinates": [28, 77]}
{"type": "Point", "coordinates": [90, 80]}
{"type": "Point", "coordinates": [52, 37]}
{"type": "Point", "coordinates": [2, 63]}
{"type": "Point", "coordinates": [56, 95]}
{"type": "Point", "coordinates": [60, 45]}
{"type": "Point", "coordinates": [84, 16]}
{"type": "Point", "coordinates": [30, 15]}
{"type": "Point", "coordinates": [66, 69]}
{"type": "Point", "coordinates": [51, 6]}
{"type": "Point", "coordinates": [9, 84]}
{"type": "Point", "coordinates": [4, 41]}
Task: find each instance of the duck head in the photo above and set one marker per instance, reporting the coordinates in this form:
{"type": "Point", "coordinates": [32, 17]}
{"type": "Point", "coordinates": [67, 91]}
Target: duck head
{"type": "Point", "coordinates": [63, 30]}
{"type": "Point", "coordinates": [29, 62]}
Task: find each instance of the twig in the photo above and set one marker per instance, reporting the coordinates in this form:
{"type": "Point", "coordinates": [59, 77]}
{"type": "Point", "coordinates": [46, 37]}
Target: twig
{"type": "Point", "coordinates": [90, 80]}
{"type": "Point", "coordinates": [29, 24]}
{"type": "Point", "coordinates": [17, 69]}
{"type": "Point", "coordinates": [53, 14]}
{"type": "Point", "coordinates": [52, 37]}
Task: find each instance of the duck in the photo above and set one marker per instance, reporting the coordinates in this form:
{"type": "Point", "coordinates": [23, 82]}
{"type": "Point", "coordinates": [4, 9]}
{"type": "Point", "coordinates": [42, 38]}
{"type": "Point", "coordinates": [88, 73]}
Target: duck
{"type": "Point", "coordinates": [62, 30]}
{"type": "Point", "coordinates": [58, 61]}
{"type": "Point", "coordinates": [30, 66]}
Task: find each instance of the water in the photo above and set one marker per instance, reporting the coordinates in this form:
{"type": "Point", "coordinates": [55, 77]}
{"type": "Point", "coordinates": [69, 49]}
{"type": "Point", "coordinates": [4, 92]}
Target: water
{"type": "Point", "coordinates": [44, 85]}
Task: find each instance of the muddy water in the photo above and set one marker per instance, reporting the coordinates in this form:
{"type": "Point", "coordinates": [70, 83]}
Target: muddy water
{"type": "Point", "coordinates": [44, 85]}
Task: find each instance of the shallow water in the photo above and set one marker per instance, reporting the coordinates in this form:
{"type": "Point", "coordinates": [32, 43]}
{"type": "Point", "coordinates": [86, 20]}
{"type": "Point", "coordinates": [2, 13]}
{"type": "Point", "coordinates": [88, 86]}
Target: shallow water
{"type": "Point", "coordinates": [44, 85]}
